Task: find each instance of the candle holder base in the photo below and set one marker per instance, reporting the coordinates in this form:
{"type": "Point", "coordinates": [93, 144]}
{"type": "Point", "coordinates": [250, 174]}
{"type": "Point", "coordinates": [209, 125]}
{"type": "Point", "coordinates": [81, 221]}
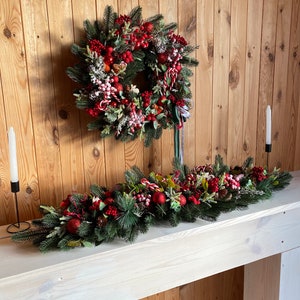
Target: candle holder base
{"type": "Point", "coordinates": [268, 148]}
{"type": "Point", "coordinates": [18, 227]}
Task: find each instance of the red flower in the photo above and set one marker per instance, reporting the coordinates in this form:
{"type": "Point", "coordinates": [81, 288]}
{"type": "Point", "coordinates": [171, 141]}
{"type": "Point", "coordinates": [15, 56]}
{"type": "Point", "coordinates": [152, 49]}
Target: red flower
{"type": "Point", "coordinates": [95, 205]}
{"type": "Point", "coordinates": [213, 184]}
{"type": "Point", "coordinates": [194, 200]}
{"type": "Point", "coordinates": [258, 174]}
{"type": "Point", "coordinates": [122, 19]}
{"type": "Point", "coordinates": [65, 203]}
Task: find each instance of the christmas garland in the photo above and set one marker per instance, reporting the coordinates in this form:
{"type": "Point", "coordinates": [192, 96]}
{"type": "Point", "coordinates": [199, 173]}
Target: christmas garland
{"type": "Point", "coordinates": [133, 75]}
{"type": "Point", "coordinates": [132, 207]}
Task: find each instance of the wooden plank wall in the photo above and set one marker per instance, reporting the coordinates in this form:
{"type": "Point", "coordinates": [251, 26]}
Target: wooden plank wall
{"type": "Point", "coordinates": [249, 54]}
{"type": "Point", "coordinates": [249, 57]}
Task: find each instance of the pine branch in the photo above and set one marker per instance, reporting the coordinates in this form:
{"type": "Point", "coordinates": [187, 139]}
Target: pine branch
{"type": "Point", "coordinates": [90, 30]}
{"type": "Point", "coordinates": [133, 176]}
{"type": "Point", "coordinates": [49, 243]}
{"type": "Point", "coordinates": [136, 16]}
{"type": "Point", "coordinates": [109, 19]}
{"type": "Point", "coordinates": [129, 216]}
{"type": "Point", "coordinates": [219, 167]}
{"type": "Point", "coordinates": [97, 190]}
{"type": "Point", "coordinates": [30, 234]}
{"type": "Point", "coordinates": [155, 19]}
{"type": "Point", "coordinates": [170, 27]}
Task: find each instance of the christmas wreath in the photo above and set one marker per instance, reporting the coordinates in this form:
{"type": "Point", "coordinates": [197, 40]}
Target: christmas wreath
{"type": "Point", "coordinates": [132, 207]}
{"type": "Point", "coordinates": [133, 75]}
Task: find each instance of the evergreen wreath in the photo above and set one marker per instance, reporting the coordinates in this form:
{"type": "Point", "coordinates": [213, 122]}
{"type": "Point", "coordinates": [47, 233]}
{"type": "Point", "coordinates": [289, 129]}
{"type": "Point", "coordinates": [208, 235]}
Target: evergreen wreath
{"type": "Point", "coordinates": [133, 75]}
{"type": "Point", "coordinates": [132, 207]}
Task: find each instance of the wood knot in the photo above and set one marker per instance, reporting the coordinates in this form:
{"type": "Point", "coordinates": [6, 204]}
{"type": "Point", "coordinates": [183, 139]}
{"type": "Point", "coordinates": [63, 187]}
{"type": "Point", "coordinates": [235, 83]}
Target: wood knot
{"type": "Point", "coordinates": [96, 152]}
{"type": "Point", "coordinates": [245, 146]}
{"type": "Point", "coordinates": [7, 32]}
{"type": "Point", "coordinates": [228, 18]}
{"type": "Point", "coordinates": [234, 77]}
{"type": "Point", "coordinates": [210, 49]}
{"type": "Point", "coordinates": [191, 25]}
{"type": "Point", "coordinates": [282, 46]}
{"type": "Point", "coordinates": [29, 190]}
{"type": "Point", "coordinates": [279, 96]}
{"type": "Point", "coordinates": [63, 114]}
{"type": "Point", "coordinates": [55, 135]}
{"type": "Point", "coordinates": [271, 57]}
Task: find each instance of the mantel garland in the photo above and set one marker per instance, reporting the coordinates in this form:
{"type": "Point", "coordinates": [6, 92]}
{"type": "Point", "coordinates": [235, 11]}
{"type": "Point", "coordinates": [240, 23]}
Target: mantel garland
{"type": "Point", "coordinates": [130, 208]}
{"type": "Point", "coordinates": [133, 75]}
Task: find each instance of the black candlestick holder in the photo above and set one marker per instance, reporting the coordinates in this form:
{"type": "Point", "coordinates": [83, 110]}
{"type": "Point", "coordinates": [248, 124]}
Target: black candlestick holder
{"type": "Point", "coordinates": [268, 149]}
{"type": "Point", "coordinates": [18, 226]}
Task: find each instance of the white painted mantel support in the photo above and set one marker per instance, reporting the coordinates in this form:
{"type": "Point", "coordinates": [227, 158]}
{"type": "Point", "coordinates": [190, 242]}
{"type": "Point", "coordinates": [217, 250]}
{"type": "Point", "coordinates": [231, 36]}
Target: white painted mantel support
{"type": "Point", "coordinates": [290, 275]}
{"type": "Point", "coordinates": [265, 238]}
{"type": "Point", "coordinates": [274, 278]}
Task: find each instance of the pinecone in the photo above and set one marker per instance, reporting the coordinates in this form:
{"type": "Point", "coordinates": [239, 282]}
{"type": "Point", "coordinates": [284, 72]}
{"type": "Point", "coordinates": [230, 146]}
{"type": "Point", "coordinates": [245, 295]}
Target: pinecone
{"type": "Point", "coordinates": [101, 221]}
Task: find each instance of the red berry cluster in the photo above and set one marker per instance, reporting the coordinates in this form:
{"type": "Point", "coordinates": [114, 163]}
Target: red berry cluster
{"type": "Point", "coordinates": [111, 211]}
{"type": "Point", "coordinates": [146, 96]}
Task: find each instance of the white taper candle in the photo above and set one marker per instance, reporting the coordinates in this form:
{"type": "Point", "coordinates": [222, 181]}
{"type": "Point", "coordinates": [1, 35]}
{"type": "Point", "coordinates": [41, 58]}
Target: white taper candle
{"type": "Point", "coordinates": [268, 125]}
{"type": "Point", "coordinates": [13, 156]}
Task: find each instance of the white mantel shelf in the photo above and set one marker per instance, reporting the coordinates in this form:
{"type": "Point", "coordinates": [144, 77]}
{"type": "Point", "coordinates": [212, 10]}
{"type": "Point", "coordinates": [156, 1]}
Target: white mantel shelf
{"type": "Point", "coordinates": [159, 260]}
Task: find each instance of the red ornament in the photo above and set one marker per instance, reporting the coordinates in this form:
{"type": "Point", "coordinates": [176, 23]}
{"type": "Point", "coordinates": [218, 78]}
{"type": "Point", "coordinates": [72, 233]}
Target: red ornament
{"type": "Point", "coordinates": [182, 200]}
{"type": "Point", "coordinates": [118, 86]}
{"type": "Point", "coordinates": [148, 27]}
{"type": "Point", "coordinates": [73, 225]}
{"type": "Point", "coordinates": [162, 57]}
{"type": "Point", "coordinates": [159, 198]}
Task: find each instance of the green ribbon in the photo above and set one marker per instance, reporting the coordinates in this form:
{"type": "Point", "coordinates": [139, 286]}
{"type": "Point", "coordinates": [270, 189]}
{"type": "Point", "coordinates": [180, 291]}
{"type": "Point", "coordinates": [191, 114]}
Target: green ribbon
{"type": "Point", "coordinates": [177, 152]}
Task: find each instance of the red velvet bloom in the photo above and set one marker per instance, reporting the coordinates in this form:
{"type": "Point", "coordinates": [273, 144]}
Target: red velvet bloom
{"type": "Point", "coordinates": [213, 185]}
{"type": "Point", "coordinates": [258, 174]}
{"type": "Point", "coordinates": [65, 203]}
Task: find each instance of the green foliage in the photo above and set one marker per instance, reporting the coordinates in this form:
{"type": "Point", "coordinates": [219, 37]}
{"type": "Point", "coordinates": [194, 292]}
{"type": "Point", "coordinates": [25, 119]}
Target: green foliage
{"type": "Point", "coordinates": [136, 15]}
{"type": "Point", "coordinates": [219, 167]}
{"type": "Point", "coordinates": [129, 212]}
{"type": "Point", "coordinates": [133, 176]}
{"type": "Point", "coordinates": [103, 215]}
{"type": "Point", "coordinates": [109, 19]}
{"type": "Point", "coordinates": [113, 54]}
{"type": "Point", "coordinates": [90, 30]}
